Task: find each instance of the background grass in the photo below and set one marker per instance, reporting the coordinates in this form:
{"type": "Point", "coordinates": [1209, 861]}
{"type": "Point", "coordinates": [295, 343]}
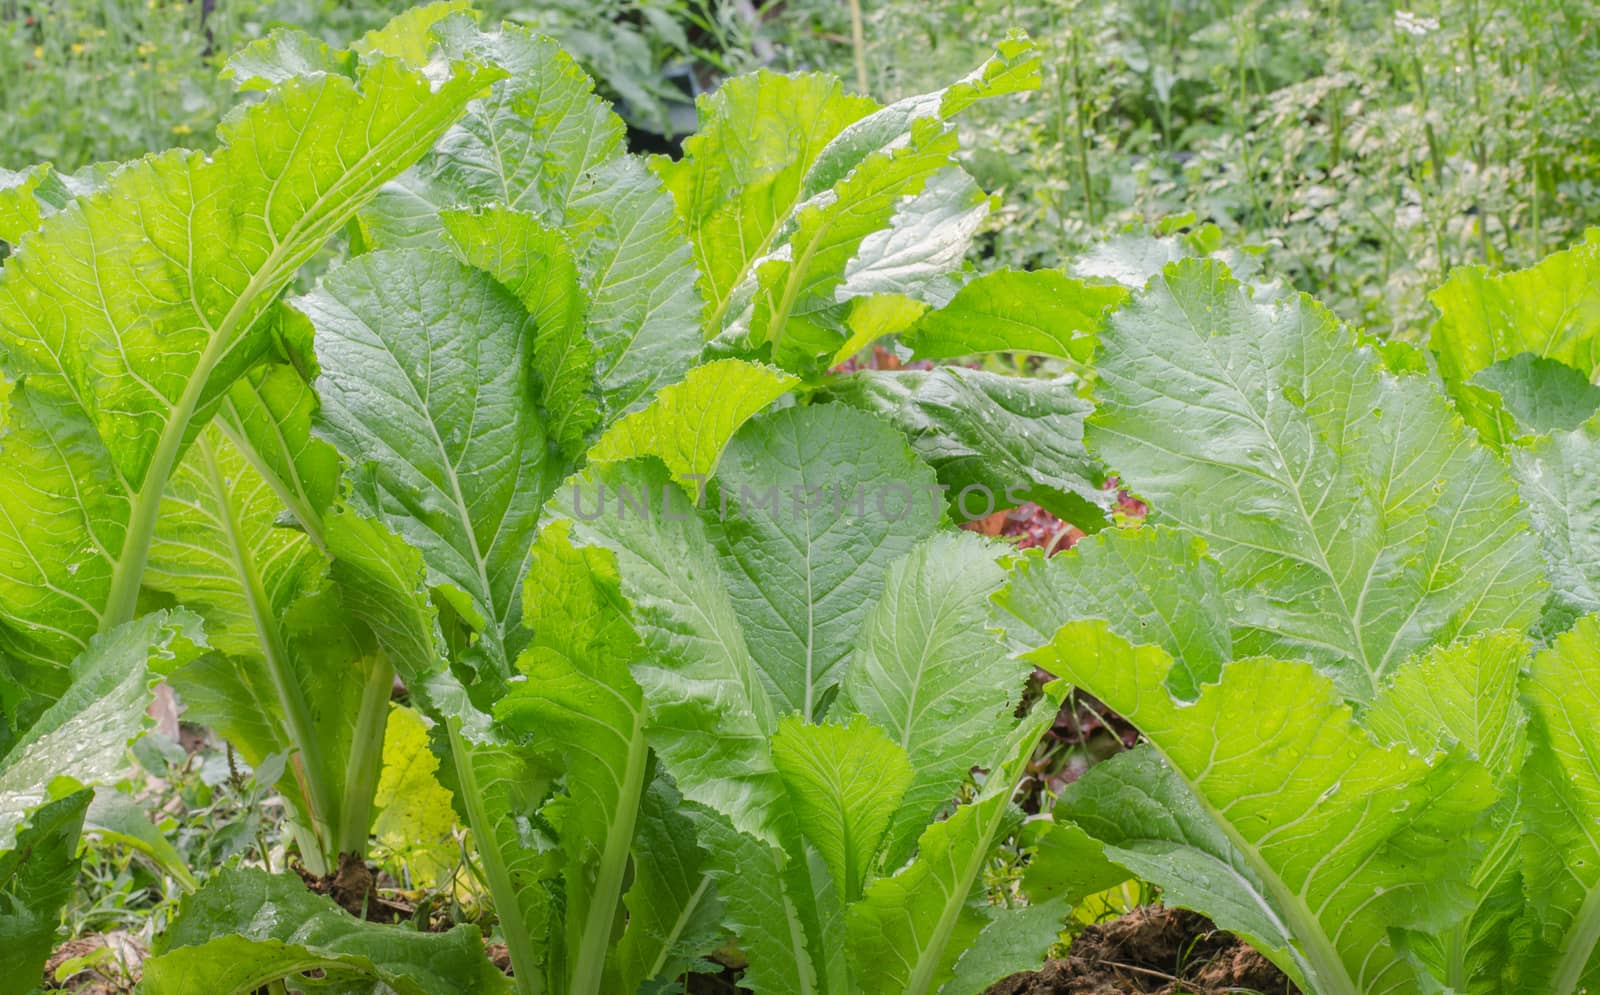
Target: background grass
{"type": "Point", "coordinates": [1365, 147]}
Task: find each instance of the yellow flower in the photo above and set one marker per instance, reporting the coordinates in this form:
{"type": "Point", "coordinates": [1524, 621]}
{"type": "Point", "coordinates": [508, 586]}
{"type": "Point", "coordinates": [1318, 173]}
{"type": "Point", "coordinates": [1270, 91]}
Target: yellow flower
{"type": "Point", "coordinates": [147, 49]}
{"type": "Point", "coordinates": [38, 51]}
{"type": "Point", "coordinates": [181, 129]}
{"type": "Point", "coordinates": [77, 48]}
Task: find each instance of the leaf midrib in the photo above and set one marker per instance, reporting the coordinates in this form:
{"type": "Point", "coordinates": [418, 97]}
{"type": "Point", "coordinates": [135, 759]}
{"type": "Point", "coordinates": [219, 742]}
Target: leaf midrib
{"type": "Point", "coordinates": [608, 878]}
{"type": "Point", "coordinates": [1287, 482]}
{"type": "Point", "coordinates": [1320, 962]}
{"type": "Point", "coordinates": [779, 222]}
{"type": "Point", "coordinates": [274, 649]}
{"type": "Point", "coordinates": [291, 492]}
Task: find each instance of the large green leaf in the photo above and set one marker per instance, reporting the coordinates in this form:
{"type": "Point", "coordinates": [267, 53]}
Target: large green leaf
{"type": "Point", "coordinates": [1561, 806]}
{"type": "Point", "coordinates": [542, 144]}
{"type": "Point", "coordinates": [84, 736]}
{"type": "Point", "coordinates": [37, 875]}
{"type": "Point", "coordinates": [909, 930]}
{"type": "Point", "coordinates": [535, 264]}
{"type": "Point", "coordinates": [710, 715]}
{"type": "Point", "coordinates": [710, 718]}
{"type": "Point", "coordinates": [644, 302]}
{"type": "Point", "coordinates": [1356, 520]}
{"type": "Point", "coordinates": [813, 503]}
{"type": "Point", "coordinates": [796, 292]}
{"type": "Point", "coordinates": [1559, 476]}
{"type": "Point", "coordinates": [882, 208]}
{"type": "Point", "coordinates": [589, 356]}
{"type": "Point", "coordinates": [687, 425]}
{"type": "Point", "coordinates": [1467, 694]}
{"type": "Point", "coordinates": [1151, 585]}
{"type": "Point", "coordinates": [1263, 805]}
{"type": "Point", "coordinates": [129, 314]}
{"type": "Point", "coordinates": [496, 786]}
{"type": "Point", "coordinates": [428, 392]}
{"type": "Point", "coordinates": [1551, 309]}
{"type": "Point", "coordinates": [525, 146]}
{"type": "Point", "coordinates": [246, 928]}
{"type": "Point", "coordinates": [994, 440]}
{"type": "Point", "coordinates": [197, 247]}
{"type": "Point", "coordinates": [798, 197]}
{"type": "Point", "coordinates": [1044, 312]}
{"type": "Point", "coordinates": [741, 174]}
{"type": "Point", "coordinates": [930, 675]}
{"type": "Point", "coordinates": [844, 783]}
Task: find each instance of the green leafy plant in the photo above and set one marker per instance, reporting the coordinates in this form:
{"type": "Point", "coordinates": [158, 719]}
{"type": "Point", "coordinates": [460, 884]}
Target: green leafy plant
{"type": "Point", "coordinates": [421, 378]}
{"type": "Point", "coordinates": [606, 701]}
{"type": "Point", "coordinates": [127, 320]}
{"type": "Point", "coordinates": [1367, 718]}
{"type": "Point", "coordinates": [646, 729]}
{"type": "Point", "coordinates": [814, 769]}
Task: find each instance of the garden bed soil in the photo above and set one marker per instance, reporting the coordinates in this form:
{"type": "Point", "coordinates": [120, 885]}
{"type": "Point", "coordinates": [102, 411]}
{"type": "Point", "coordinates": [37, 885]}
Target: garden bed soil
{"type": "Point", "coordinates": [114, 976]}
{"type": "Point", "coordinates": [1153, 951]}
{"type": "Point", "coordinates": [355, 888]}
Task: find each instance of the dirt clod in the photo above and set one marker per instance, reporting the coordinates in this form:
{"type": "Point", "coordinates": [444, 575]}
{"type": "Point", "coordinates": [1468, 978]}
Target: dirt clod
{"type": "Point", "coordinates": [500, 956]}
{"type": "Point", "coordinates": [354, 887]}
{"type": "Point", "coordinates": [1153, 951]}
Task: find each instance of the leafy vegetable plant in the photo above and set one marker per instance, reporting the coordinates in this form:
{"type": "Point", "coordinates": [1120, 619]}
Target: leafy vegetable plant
{"type": "Point", "coordinates": [421, 376]}
{"type": "Point", "coordinates": [644, 693]}
{"type": "Point", "coordinates": [135, 323]}
{"type": "Point", "coordinates": [1368, 719]}
{"type": "Point", "coordinates": [734, 705]}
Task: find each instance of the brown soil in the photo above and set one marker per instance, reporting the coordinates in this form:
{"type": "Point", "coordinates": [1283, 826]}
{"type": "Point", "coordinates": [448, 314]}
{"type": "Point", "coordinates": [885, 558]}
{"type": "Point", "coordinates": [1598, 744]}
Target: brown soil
{"type": "Point", "coordinates": [500, 956]}
{"type": "Point", "coordinates": [1153, 951]}
{"type": "Point", "coordinates": [355, 888]}
{"type": "Point", "coordinates": [725, 982]}
{"type": "Point", "coordinates": [114, 975]}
